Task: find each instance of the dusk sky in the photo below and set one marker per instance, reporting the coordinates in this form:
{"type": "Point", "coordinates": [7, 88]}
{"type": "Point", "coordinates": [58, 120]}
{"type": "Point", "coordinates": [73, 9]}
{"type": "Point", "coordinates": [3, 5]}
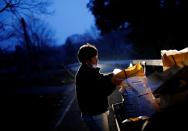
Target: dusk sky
{"type": "Point", "coordinates": [70, 17]}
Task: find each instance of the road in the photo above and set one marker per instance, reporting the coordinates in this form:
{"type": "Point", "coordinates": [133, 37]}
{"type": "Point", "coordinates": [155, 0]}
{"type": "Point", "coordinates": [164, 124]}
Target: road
{"type": "Point", "coordinates": [37, 108]}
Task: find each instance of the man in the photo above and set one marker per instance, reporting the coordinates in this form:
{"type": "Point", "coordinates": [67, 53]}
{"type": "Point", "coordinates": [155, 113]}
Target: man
{"type": "Point", "coordinates": [93, 89]}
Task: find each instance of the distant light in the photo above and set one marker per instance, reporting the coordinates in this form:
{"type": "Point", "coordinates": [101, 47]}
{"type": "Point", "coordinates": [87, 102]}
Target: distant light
{"type": "Point", "coordinates": [130, 65]}
{"type": "Point", "coordinates": [143, 63]}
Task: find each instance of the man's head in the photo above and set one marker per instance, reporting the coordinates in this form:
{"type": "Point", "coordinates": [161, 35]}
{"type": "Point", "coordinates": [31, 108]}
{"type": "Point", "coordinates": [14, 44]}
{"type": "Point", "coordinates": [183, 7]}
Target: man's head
{"type": "Point", "coordinates": [88, 54]}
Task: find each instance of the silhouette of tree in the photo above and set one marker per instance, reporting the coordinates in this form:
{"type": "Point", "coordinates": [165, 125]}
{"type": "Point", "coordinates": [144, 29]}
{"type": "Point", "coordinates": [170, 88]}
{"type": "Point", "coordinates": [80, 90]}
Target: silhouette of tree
{"type": "Point", "coordinates": [11, 12]}
{"type": "Point", "coordinates": [40, 33]}
{"type": "Point", "coordinates": [158, 23]}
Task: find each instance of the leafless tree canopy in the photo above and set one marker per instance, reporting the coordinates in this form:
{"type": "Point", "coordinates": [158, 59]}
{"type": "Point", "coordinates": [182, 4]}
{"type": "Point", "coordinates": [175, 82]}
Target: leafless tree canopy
{"type": "Point", "coordinates": [11, 11]}
{"type": "Point", "coordinates": [19, 7]}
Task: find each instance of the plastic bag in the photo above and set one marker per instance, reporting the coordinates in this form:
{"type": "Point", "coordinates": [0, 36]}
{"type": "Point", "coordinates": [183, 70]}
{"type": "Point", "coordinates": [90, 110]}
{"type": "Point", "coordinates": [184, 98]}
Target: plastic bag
{"type": "Point", "coordinates": [138, 97]}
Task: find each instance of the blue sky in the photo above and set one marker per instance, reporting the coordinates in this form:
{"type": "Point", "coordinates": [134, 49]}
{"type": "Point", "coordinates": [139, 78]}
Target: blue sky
{"type": "Point", "coordinates": [70, 17]}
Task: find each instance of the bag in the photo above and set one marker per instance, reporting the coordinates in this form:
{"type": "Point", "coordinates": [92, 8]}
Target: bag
{"type": "Point", "coordinates": [138, 97]}
{"type": "Point", "coordinates": [174, 57]}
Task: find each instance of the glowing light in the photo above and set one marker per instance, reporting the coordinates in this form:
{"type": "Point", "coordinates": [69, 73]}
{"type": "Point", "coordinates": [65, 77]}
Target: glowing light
{"type": "Point", "coordinates": [115, 71]}
{"type": "Point", "coordinates": [130, 65]}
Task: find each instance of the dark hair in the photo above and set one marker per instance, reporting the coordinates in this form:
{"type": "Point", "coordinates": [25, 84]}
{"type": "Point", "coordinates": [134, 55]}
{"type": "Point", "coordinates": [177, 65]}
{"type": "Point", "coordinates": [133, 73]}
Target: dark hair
{"type": "Point", "coordinates": [86, 52]}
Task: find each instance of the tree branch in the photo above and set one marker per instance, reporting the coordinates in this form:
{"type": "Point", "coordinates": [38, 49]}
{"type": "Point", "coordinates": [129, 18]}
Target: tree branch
{"type": "Point", "coordinates": [5, 7]}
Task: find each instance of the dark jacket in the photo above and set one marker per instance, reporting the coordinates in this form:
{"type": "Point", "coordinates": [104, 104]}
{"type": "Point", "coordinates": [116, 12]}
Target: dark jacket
{"type": "Point", "coordinates": [93, 89]}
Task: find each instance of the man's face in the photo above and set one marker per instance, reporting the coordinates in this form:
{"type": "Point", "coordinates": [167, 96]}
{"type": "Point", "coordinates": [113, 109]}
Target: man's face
{"type": "Point", "coordinates": [94, 60]}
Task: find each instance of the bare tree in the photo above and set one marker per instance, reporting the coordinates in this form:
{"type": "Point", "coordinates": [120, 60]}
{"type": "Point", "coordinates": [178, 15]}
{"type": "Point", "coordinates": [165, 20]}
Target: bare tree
{"type": "Point", "coordinates": [11, 12]}
{"type": "Point", "coordinates": [24, 7]}
{"type": "Point", "coordinates": [34, 33]}
{"type": "Point", "coordinates": [41, 34]}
